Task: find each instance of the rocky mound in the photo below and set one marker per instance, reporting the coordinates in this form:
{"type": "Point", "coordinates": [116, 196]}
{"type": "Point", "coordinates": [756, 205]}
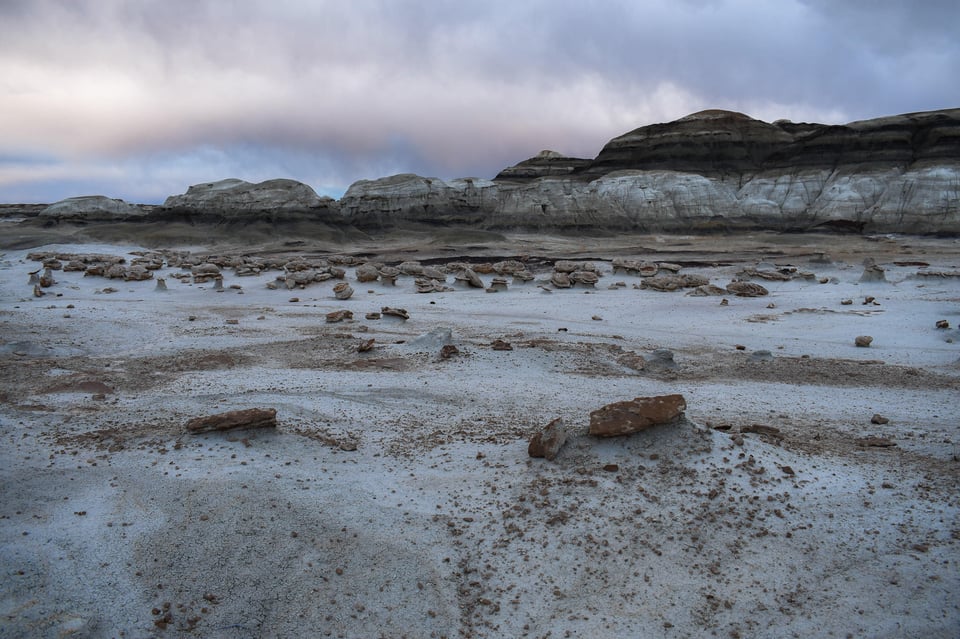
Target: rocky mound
{"type": "Point", "coordinates": [234, 198]}
{"type": "Point", "coordinates": [91, 208]}
{"type": "Point", "coordinates": [710, 171]}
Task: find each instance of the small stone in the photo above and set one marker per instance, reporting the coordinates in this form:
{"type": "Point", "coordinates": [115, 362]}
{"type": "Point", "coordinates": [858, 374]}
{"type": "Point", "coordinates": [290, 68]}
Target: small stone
{"type": "Point", "coordinates": [943, 324]}
{"type": "Point", "coordinates": [863, 341]}
{"type": "Point", "coordinates": [448, 350]}
{"type": "Point", "coordinates": [395, 312]}
{"type": "Point", "coordinates": [740, 347]}
{"type": "Point", "coordinates": [294, 300]}
{"type": "Point", "coordinates": [747, 289]}
{"type": "Point", "coordinates": [372, 316]}
{"type": "Point", "coordinates": [233, 321]}
{"type": "Point", "coordinates": [343, 291]}
{"type": "Point", "coordinates": [611, 468]}
{"type": "Point", "coordinates": [547, 443]}
{"type": "Point", "coordinates": [879, 419]}
{"type": "Point", "coordinates": [365, 345]}
{"type": "Point", "coordinates": [724, 302]}
{"type": "Point", "coordinates": [338, 316]}
{"type": "Point", "coordinates": [597, 318]}
{"type": "Point", "coordinates": [348, 445]}
{"type": "Point", "coordinates": [846, 302]}
{"type": "Point", "coordinates": [500, 345]}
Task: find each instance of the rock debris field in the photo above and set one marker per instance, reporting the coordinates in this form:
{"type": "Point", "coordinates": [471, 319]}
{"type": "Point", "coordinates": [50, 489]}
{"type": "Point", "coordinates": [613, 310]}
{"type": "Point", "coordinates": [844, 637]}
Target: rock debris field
{"type": "Point", "coordinates": [794, 479]}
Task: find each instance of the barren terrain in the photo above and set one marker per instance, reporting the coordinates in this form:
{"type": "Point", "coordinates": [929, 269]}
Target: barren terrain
{"type": "Point", "coordinates": [396, 498]}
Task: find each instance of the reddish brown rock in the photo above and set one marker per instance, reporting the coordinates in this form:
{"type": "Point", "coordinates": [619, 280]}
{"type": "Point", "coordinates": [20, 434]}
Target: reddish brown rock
{"type": "Point", "coordinates": [624, 418]}
{"type": "Point", "coordinates": [547, 443]}
{"type": "Point", "coordinates": [339, 316]}
{"type": "Point", "coordinates": [248, 418]}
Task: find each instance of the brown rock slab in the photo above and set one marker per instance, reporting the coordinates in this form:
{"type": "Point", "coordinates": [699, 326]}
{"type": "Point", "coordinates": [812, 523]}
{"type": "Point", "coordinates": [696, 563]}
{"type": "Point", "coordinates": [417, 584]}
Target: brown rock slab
{"type": "Point", "coordinates": [339, 316]}
{"type": "Point", "coordinates": [632, 416]}
{"type": "Point", "coordinates": [247, 418]}
{"type": "Point", "coordinates": [547, 443]}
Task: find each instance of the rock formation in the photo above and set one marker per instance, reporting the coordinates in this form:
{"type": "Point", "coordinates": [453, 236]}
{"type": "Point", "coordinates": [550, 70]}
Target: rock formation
{"type": "Point", "coordinates": [92, 208]}
{"type": "Point", "coordinates": [709, 171]}
{"type": "Point", "coordinates": [272, 200]}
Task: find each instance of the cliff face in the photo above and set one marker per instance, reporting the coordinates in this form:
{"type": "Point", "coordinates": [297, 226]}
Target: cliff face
{"type": "Point", "coordinates": [712, 170]}
{"type": "Point", "coordinates": [709, 171]}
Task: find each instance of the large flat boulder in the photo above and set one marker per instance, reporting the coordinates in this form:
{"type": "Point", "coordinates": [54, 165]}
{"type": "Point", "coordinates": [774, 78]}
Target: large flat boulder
{"type": "Point", "coordinates": [635, 415]}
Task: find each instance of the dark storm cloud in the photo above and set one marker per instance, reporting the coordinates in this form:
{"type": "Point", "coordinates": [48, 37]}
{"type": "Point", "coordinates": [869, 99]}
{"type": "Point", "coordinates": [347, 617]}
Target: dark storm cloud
{"type": "Point", "coordinates": [149, 97]}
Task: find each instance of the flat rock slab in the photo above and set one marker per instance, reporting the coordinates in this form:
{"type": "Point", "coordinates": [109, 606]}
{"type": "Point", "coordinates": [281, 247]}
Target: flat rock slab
{"type": "Point", "coordinates": [632, 416]}
{"type": "Point", "coordinates": [247, 418]}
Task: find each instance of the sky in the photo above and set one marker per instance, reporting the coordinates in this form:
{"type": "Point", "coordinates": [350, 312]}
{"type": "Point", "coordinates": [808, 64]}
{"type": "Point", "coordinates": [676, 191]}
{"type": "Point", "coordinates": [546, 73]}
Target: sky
{"type": "Point", "coordinates": [140, 99]}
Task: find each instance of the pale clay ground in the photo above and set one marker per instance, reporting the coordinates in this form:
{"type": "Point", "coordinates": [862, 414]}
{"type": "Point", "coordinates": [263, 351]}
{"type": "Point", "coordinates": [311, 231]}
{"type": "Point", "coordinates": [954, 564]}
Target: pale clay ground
{"type": "Point", "coordinates": [439, 524]}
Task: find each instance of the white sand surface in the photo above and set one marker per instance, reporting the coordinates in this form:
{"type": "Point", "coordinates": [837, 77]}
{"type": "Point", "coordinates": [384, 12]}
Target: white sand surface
{"type": "Point", "coordinates": [438, 524]}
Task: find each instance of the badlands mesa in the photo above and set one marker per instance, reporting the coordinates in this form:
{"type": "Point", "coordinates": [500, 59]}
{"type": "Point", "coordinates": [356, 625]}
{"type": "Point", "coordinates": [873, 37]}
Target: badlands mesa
{"type": "Point", "coordinates": [705, 384]}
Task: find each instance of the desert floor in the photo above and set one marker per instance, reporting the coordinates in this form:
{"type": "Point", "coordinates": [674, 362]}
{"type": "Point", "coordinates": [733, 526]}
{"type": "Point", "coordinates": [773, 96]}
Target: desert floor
{"type": "Point", "coordinates": [396, 497]}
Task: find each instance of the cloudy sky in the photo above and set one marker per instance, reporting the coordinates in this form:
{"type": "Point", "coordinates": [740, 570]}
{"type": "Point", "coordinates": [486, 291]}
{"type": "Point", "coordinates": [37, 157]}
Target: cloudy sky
{"type": "Point", "coordinates": [138, 99]}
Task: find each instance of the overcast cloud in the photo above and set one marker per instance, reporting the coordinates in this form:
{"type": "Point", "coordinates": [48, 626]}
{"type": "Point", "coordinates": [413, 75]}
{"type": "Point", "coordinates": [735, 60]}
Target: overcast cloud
{"type": "Point", "coordinates": [141, 99]}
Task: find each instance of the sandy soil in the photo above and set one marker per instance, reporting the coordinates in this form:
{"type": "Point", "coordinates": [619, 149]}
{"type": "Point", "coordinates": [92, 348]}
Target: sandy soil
{"type": "Point", "coordinates": [396, 497]}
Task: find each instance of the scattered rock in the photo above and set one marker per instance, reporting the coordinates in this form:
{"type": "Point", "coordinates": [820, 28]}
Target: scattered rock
{"type": "Point", "coordinates": [233, 321]}
{"type": "Point", "coordinates": [248, 418]}
{"type": "Point", "coordinates": [448, 350]}
{"type": "Point", "coordinates": [365, 345]}
{"type": "Point", "coordinates": [395, 312]}
{"type": "Point", "coordinates": [597, 318]}
{"type": "Point", "coordinates": [846, 302]}
{"type": "Point", "coordinates": [746, 289]}
{"type": "Point", "coordinates": [872, 272]}
{"type": "Point", "coordinates": [338, 316]}
{"type": "Point", "coordinates": [372, 316]}
{"type": "Point", "coordinates": [707, 289]}
{"type": "Point", "coordinates": [584, 278]}
{"type": "Point", "coordinates": [497, 284]}
{"type": "Point", "coordinates": [429, 285]}
{"type": "Point", "coordinates": [367, 273]}
{"type": "Point", "coordinates": [863, 341]}
{"type": "Point", "coordinates": [470, 277]}
{"type": "Point", "coordinates": [943, 324]}
{"type": "Point", "coordinates": [641, 413]}
{"type": "Point", "coordinates": [343, 291]}
{"type": "Point", "coordinates": [665, 283]}
{"type": "Point", "coordinates": [161, 285]}
{"type": "Point", "coordinates": [388, 275]}
{"type": "Point", "coordinates": [879, 419]}
{"type": "Point", "coordinates": [500, 345]}
{"type": "Point", "coordinates": [547, 443]}
{"type": "Point", "coordinates": [560, 280]}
